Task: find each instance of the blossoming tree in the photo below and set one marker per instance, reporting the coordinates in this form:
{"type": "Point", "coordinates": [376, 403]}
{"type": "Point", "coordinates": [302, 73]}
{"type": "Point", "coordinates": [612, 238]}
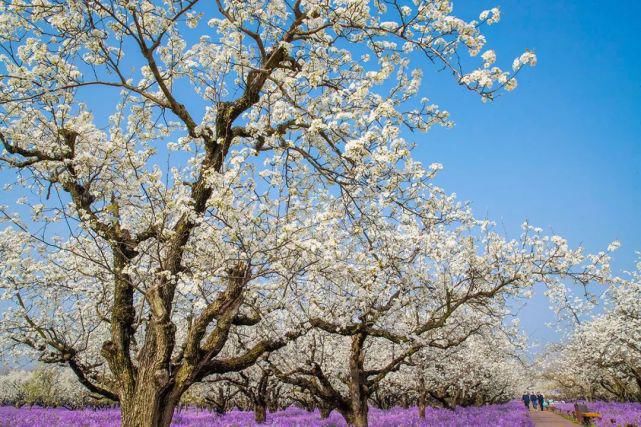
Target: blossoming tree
{"type": "Point", "coordinates": [486, 369]}
{"type": "Point", "coordinates": [602, 356]}
{"type": "Point", "coordinates": [167, 155]}
{"type": "Point", "coordinates": [427, 280]}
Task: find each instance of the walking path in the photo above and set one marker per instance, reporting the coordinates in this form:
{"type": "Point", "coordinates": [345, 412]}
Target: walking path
{"type": "Point", "coordinates": [549, 419]}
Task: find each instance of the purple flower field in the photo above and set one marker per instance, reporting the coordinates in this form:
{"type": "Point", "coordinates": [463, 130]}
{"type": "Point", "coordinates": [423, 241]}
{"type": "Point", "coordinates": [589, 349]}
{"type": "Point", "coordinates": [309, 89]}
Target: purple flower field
{"type": "Point", "coordinates": [612, 413]}
{"type": "Point", "coordinates": [511, 414]}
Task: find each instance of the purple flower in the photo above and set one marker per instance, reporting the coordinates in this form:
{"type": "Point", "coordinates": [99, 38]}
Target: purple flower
{"type": "Point", "coordinates": [511, 414]}
{"type": "Point", "coordinates": [612, 413]}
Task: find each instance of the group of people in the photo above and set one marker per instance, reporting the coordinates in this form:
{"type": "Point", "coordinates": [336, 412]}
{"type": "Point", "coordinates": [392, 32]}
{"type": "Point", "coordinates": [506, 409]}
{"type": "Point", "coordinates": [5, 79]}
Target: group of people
{"type": "Point", "coordinates": [534, 399]}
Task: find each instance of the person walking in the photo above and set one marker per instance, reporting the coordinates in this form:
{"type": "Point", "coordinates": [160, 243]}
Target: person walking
{"type": "Point", "coordinates": [526, 399]}
{"type": "Point", "coordinates": [534, 400]}
{"type": "Point", "coordinates": [541, 400]}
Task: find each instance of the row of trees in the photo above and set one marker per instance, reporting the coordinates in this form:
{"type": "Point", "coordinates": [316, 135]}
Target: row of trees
{"type": "Point", "coordinates": [601, 359]}
{"type": "Point", "coordinates": [486, 369]}
{"type": "Point", "coordinates": [206, 188]}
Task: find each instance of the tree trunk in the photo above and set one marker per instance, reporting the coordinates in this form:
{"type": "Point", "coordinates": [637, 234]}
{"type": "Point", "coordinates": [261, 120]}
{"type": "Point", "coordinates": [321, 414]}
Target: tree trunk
{"type": "Point", "coordinates": [421, 406]}
{"type": "Point", "coordinates": [358, 389]}
{"type": "Point", "coordinates": [272, 403]}
{"type": "Point", "coordinates": [152, 401]}
{"type": "Point", "coordinates": [422, 397]}
{"type": "Point", "coordinates": [260, 399]}
{"type": "Point", "coordinates": [405, 403]}
{"type": "Point", "coordinates": [220, 405]}
{"type": "Point", "coordinates": [353, 419]}
{"type": "Point", "coordinates": [324, 412]}
{"type": "Point", "coordinates": [358, 419]}
{"type": "Point", "coordinates": [148, 409]}
{"type": "Point", "coordinates": [260, 412]}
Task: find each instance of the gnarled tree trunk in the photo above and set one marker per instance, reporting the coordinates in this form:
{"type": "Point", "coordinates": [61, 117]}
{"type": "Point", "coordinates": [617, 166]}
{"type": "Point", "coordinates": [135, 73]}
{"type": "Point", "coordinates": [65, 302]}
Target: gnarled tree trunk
{"type": "Point", "coordinates": [150, 407]}
{"type": "Point", "coordinates": [150, 392]}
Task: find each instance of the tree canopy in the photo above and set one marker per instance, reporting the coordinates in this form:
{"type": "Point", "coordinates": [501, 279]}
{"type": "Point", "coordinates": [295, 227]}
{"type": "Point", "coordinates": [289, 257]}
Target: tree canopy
{"type": "Point", "coordinates": [203, 184]}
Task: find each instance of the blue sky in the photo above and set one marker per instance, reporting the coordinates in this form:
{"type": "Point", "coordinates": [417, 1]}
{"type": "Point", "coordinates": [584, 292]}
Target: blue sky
{"type": "Point", "coordinates": [564, 149]}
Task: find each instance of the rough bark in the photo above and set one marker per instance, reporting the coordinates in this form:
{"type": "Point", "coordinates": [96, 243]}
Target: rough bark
{"type": "Point", "coordinates": [149, 408]}
{"type": "Point", "coordinates": [357, 386]}
{"type": "Point", "coordinates": [157, 390]}
{"type": "Point", "coordinates": [260, 399]}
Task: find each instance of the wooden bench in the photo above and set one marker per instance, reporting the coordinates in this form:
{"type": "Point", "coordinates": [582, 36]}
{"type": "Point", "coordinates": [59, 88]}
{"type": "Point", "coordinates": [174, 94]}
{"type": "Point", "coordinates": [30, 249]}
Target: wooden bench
{"type": "Point", "coordinates": [584, 415]}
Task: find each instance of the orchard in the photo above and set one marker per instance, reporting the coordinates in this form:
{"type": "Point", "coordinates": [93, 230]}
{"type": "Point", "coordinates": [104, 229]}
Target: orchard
{"type": "Point", "coordinates": [215, 209]}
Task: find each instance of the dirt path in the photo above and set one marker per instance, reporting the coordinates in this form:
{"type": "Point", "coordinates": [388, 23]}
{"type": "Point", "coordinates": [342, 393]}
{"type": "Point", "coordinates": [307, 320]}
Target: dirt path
{"type": "Point", "coordinates": [549, 419]}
